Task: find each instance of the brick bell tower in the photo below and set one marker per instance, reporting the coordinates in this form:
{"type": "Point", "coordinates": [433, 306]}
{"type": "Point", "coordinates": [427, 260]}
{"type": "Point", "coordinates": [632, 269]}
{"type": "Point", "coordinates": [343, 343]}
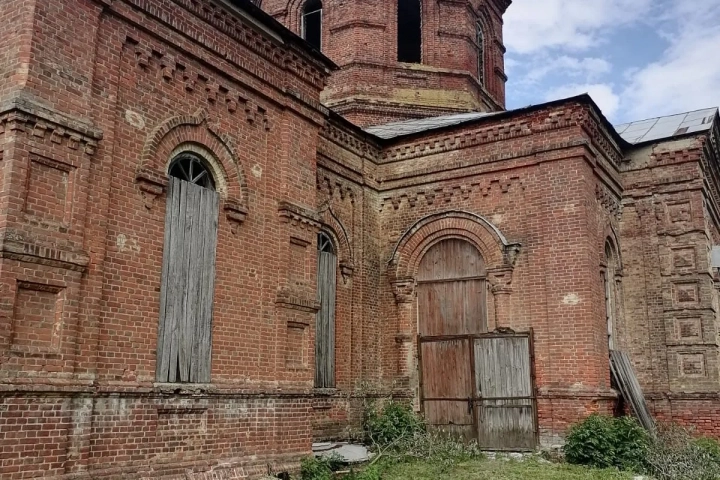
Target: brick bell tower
{"type": "Point", "coordinates": [403, 59]}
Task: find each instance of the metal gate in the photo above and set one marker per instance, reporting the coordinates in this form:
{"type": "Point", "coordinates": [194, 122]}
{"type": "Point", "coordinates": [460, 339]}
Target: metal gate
{"type": "Point", "coordinates": [481, 387]}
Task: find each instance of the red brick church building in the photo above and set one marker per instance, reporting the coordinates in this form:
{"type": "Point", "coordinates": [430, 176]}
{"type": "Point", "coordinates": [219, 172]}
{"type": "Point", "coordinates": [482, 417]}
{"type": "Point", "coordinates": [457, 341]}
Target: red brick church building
{"type": "Point", "coordinates": [224, 223]}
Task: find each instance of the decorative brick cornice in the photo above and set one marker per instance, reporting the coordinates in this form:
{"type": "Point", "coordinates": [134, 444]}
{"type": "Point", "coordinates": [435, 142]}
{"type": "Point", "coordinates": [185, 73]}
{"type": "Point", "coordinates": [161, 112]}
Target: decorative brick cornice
{"type": "Point", "coordinates": [297, 301]}
{"type": "Point", "coordinates": [450, 194]}
{"type": "Point", "coordinates": [38, 121]}
{"type": "Point", "coordinates": [218, 93]}
{"type": "Point", "coordinates": [14, 246]}
{"type": "Point", "coordinates": [225, 20]}
{"type": "Point", "coordinates": [480, 136]}
{"type": "Point", "coordinates": [348, 139]}
{"type": "Point", "coordinates": [298, 215]}
{"type": "Point", "coordinates": [331, 185]}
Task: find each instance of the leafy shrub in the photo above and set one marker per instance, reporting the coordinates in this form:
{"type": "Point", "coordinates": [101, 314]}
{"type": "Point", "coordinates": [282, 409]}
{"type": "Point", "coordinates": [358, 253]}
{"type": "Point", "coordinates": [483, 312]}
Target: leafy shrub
{"type": "Point", "coordinates": [710, 446]}
{"type": "Point", "coordinates": [313, 468]}
{"type": "Point", "coordinates": [400, 435]}
{"type": "Point", "coordinates": [675, 455]}
{"type": "Point", "coordinates": [320, 468]}
{"type": "Point", "coordinates": [604, 442]}
{"type": "Point", "coordinates": [393, 422]}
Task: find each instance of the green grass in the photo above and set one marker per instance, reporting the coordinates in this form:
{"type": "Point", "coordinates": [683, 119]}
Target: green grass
{"type": "Point", "coordinates": [500, 470]}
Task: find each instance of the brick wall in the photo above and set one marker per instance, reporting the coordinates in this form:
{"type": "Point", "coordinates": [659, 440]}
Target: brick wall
{"type": "Point", "coordinates": [113, 93]}
{"type": "Point", "coordinates": [372, 87]}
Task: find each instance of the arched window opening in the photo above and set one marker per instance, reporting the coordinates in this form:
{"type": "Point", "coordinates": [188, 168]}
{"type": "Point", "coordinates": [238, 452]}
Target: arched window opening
{"type": "Point", "coordinates": [191, 168]}
{"type": "Point", "coordinates": [325, 319]}
{"type": "Point", "coordinates": [611, 292]}
{"type": "Point", "coordinates": [184, 349]}
{"type": "Point", "coordinates": [409, 23]}
{"type": "Point", "coordinates": [312, 23]}
{"type": "Point", "coordinates": [480, 39]}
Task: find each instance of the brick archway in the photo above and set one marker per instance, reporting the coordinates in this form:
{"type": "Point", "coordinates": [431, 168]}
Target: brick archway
{"type": "Point", "coordinates": [495, 249]}
{"type": "Point", "coordinates": [194, 133]}
{"type": "Point", "coordinates": [333, 225]}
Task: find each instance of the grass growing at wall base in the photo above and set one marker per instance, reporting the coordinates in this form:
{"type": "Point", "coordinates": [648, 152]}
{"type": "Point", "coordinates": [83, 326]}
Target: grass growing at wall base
{"type": "Point", "coordinates": [501, 469]}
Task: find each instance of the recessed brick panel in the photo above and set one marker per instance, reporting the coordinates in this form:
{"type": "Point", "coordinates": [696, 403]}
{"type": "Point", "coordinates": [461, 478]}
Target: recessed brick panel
{"type": "Point", "coordinates": [688, 329]}
{"type": "Point", "coordinates": [684, 259]}
{"type": "Point", "coordinates": [297, 345]}
{"type": "Point", "coordinates": [691, 364]}
{"type": "Point", "coordinates": [49, 190]}
{"type": "Point", "coordinates": [679, 212]}
{"type": "Point", "coordinates": [685, 294]}
{"type": "Point", "coordinates": [37, 318]}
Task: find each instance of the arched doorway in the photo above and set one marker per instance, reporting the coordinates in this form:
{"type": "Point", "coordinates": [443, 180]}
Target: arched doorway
{"type": "Point", "coordinates": [452, 293]}
{"type": "Point", "coordinates": [451, 304]}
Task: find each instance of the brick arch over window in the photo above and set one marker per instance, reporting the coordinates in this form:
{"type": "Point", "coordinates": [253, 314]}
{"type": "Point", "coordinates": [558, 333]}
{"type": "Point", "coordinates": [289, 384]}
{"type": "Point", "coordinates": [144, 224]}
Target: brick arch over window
{"type": "Point", "coordinates": [334, 227]}
{"type": "Point", "coordinates": [194, 133]}
{"type": "Point", "coordinates": [418, 239]}
{"type": "Point", "coordinates": [610, 235]}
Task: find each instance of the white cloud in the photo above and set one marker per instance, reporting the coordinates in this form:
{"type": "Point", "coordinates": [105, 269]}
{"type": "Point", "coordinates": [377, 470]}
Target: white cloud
{"type": "Point", "coordinates": [587, 68]}
{"type": "Point", "coordinates": [534, 25]}
{"type": "Point", "coordinates": [603, 94]}
{"type": "Point", "coordinates": [687, 77]}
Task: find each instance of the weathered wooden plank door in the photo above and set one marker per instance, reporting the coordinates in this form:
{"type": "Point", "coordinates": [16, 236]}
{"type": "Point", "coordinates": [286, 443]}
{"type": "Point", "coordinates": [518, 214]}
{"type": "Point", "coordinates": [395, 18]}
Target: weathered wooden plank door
{"type": "Point", "coordinates": [447, 384]}
{"type": "Point", "coordinates": [451, 290]}
{"type": "Point", "coordinates": [188, 283]}
{"type": "Point", "coordinates": [451, 303]}
{"type": "Point", "coordinates": [325, 320]}
{"type": "Point", "coordinates": [505, 392]}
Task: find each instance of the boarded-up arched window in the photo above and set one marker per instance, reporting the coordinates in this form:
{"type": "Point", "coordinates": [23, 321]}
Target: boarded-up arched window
{"type": "Point", "coordinates": [612, 294]}
{"type": "Point", "coordinates": [312, 23]}
{"type": "Point", "coordinates": [188, 273]}
{"type": "Point", "coordinates": [409, 30]}
{"type": "Point", "coordinates": [325, 320]}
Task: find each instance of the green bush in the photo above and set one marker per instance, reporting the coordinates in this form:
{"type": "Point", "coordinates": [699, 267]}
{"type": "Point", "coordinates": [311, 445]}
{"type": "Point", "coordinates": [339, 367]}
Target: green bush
{"type": "Point", "coordinates": [320, 468]}
{"type": "Point", "coordinates": [391, 423]}
{"type": "Point", "coordinates": [709, 446]}
{"type": "Point", "coordinates": [605, 442]}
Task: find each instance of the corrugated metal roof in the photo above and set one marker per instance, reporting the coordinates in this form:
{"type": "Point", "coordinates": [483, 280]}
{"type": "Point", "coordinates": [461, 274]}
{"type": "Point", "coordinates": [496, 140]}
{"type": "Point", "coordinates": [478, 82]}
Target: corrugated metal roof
{"type": "Point", "coordinates": [634, 132]}
{"type": "Point", "coordinates": [408, 127]}
{"type": "Point", "coordinates": [667, 127]}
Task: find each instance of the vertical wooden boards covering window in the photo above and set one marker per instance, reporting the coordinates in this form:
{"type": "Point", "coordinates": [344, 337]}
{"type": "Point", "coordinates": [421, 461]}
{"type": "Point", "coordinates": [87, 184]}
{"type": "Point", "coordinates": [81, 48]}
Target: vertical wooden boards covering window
{"type": "Point", "coordinates": [188, 283]}
{"type": "Point", "coordinates": [325, 320]}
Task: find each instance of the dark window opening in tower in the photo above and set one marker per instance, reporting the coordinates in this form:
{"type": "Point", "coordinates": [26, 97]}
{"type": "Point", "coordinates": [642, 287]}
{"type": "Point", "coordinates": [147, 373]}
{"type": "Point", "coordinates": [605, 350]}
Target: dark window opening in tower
{"type": "Point", "coordinates": [480, 39]}
{"type": "Point", "coordinates": [312, 23]}
{"type": "Point", "coordinates": [409, 31]}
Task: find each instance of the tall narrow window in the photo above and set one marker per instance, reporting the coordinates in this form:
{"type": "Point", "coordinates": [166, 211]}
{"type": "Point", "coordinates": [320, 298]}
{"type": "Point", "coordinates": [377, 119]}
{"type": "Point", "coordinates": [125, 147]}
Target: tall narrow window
{"type": "Point", "coordinates": [480, 39]}
{"type": "Point", "coordinates": [325, 321]}
{"type": "Point", "coordinates": [611, 300]}
{"type": "Point", "coordinates": [188, 273]}
{"type": "Point", "coordinates": [409, 23]}
{"type": "Point", "coordinates": [312, 23]}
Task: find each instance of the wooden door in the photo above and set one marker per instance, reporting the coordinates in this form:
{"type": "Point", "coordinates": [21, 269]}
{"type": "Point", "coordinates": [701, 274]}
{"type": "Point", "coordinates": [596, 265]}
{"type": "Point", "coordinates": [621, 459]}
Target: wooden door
{"type": "Point", "coordinates": [447, 384]}
{"type": "Point", "coordinates": [451, 303]}
{"type": "Point", "coordinates": [506, 399]}
{"type": "Point", "coordinates": [451, 290]}
{"type": "Point", "coordinates": [325, 320]}
{"type": "Point", "coordinates": [188, 283]}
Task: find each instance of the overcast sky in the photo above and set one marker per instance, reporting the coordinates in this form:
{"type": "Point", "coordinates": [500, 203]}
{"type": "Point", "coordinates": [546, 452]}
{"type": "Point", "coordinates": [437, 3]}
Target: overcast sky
{"type": "Point", "coordinates": [637, 58]}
